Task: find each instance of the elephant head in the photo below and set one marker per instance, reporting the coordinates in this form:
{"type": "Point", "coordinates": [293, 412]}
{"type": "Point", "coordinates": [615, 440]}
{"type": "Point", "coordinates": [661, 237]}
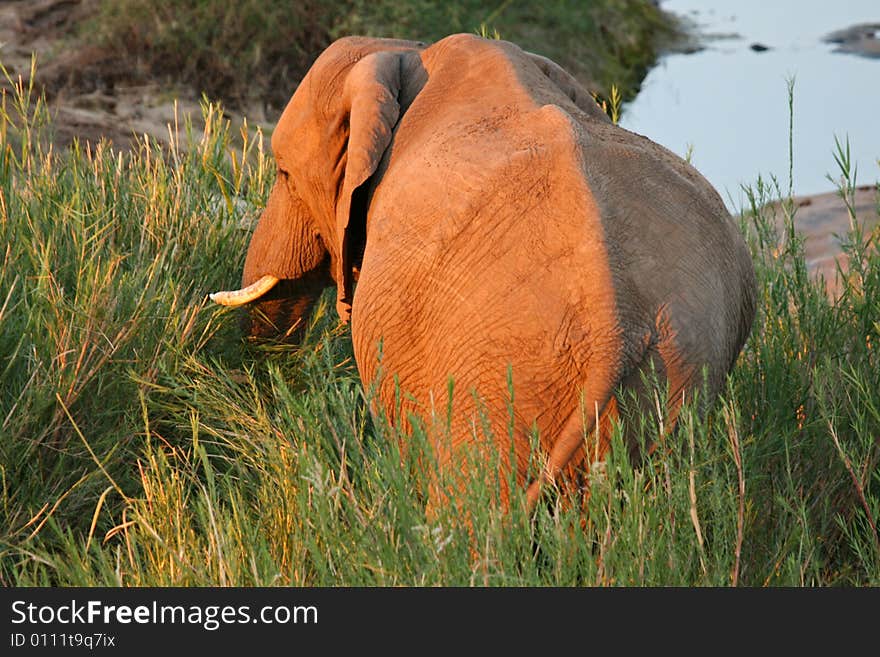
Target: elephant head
{"type": "Point", "coordinates": [328, 142]}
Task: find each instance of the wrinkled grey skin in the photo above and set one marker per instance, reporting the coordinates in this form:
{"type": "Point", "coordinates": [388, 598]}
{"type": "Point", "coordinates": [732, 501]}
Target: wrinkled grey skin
{"type": "Point", "coordinates": [492, 217]}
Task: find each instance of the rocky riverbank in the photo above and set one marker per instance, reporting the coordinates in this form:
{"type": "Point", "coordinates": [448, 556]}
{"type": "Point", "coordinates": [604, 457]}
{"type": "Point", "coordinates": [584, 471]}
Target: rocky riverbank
{"type": "Point", "coordinates": [824, 221]}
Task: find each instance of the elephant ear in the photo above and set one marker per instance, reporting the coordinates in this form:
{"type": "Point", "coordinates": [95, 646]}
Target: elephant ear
{"type": "Point", "coordinates": [370, 98]}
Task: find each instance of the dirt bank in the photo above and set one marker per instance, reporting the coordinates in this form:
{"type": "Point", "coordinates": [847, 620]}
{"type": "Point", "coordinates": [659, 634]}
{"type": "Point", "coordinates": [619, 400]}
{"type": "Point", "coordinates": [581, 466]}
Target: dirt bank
{"type": "Point", "coordinates": [90, 96]}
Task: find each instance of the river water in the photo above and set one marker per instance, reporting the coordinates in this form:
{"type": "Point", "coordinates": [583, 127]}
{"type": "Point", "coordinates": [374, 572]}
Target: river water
{"type": "Point", "coordinates": [727, 104]}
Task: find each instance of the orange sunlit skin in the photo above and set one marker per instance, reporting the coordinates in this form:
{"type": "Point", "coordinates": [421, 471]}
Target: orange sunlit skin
{"type": "Point", "coordinates": [504, 233]}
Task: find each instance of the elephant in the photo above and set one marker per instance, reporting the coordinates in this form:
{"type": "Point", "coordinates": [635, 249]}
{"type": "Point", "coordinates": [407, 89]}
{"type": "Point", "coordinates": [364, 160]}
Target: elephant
{"type": "Point", "coordinates": [492, 234]}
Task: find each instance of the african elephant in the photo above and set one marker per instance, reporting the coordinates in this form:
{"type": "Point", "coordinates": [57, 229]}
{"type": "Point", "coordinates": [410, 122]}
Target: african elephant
{"type": "Point", "coordinates": [481, 218]}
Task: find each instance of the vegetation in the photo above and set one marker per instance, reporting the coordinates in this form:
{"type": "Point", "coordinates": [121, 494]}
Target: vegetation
{"type": "Point", "coordinates": [144, 442]}
{"type": "Point", "coordinates": [258, 50]}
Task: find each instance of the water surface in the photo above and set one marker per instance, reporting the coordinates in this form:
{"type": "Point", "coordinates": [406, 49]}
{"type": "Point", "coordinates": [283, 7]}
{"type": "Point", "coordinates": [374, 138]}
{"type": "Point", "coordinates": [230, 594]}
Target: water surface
{"type": "Point", "coordinates": [728, 105]}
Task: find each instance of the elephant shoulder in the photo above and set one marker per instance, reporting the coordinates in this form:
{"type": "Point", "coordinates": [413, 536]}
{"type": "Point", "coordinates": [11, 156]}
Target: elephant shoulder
{"type": "Point", "coordinates": [557, 120]}
{"type": "Point", "coordinates": [561, 82]}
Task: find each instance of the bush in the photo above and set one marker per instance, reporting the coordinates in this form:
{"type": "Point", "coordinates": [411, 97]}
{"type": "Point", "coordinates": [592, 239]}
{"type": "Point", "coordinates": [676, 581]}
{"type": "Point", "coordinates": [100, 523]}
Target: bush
{"type": "Point", "coordinates": [143, 442]}
{"type": "Point", "coordinates": [258, 50]}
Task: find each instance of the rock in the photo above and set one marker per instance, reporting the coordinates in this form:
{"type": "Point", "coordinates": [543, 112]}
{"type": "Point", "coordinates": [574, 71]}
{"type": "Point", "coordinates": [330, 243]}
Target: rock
{"type": "Point", "coordinates": [861, 40]}
{"type": "Point", "coordinates": [824, 222]}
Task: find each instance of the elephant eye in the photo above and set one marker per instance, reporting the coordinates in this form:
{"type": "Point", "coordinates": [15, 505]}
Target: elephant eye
{"type": "Point", "coordinates": [282, 176]}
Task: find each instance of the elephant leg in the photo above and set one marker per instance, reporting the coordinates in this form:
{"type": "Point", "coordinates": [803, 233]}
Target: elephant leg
{"type": "Point", "coordinates": [463, 453]}
{"type": "Point", "coordinates": [586, 436]}
{"type": "Point", "coordinates": [570, 446]}
{"type": "Point", "coordinates": [657, 388]}
{"type": "Point", "coordinates": [642, 395]}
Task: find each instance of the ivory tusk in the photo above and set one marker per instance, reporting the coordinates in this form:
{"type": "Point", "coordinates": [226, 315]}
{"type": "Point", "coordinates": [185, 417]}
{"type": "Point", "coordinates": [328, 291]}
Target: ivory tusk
{"type": "Point", "coordinates": [240, 297]}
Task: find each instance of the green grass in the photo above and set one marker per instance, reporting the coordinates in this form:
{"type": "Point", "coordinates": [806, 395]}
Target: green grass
{"type": "Point", "coordinates": [143, 441]}
{"type": "Point", "coordinates": [257, 50]}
